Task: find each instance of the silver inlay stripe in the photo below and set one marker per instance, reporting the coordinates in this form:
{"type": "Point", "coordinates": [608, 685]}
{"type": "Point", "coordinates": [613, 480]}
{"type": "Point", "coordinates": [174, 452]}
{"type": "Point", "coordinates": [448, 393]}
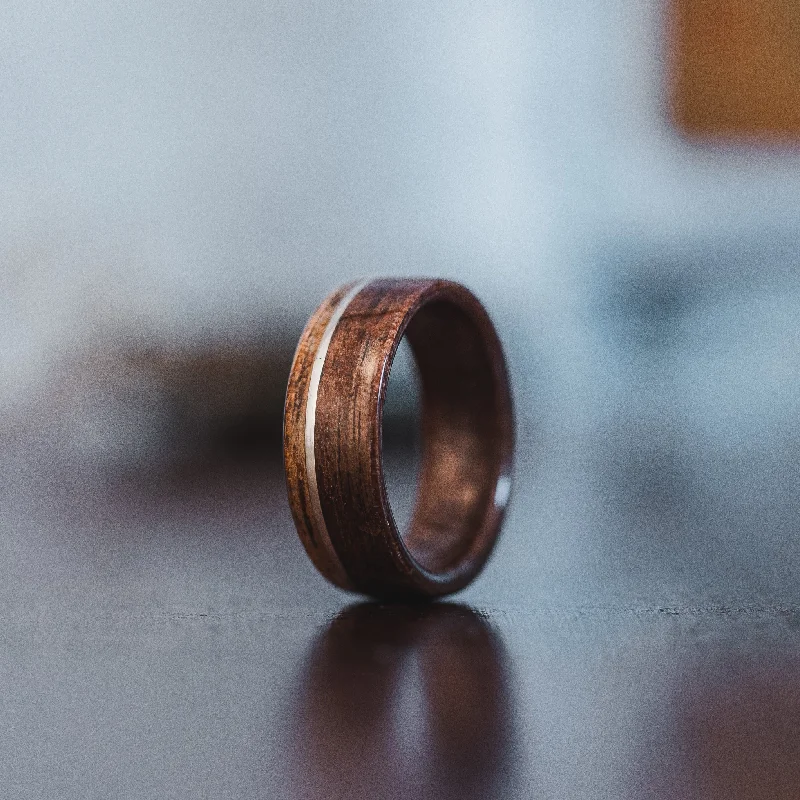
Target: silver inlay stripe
{"type": "Point", "coordinates": [311, 411]}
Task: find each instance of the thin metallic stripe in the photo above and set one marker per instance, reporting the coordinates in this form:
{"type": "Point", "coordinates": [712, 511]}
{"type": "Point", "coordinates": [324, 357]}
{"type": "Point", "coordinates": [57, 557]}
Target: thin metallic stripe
{"type": "Point", "coordinates": [320, 528]}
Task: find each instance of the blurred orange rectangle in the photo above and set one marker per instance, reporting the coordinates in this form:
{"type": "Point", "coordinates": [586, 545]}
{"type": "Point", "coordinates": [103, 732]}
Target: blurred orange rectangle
{"type": "Point", "coordinates": [735, 67]}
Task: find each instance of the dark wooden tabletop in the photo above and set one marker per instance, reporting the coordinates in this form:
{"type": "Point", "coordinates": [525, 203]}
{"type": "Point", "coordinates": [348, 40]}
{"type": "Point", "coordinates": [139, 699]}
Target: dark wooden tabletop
{"type": "Point", "coordinates": [166, 636]}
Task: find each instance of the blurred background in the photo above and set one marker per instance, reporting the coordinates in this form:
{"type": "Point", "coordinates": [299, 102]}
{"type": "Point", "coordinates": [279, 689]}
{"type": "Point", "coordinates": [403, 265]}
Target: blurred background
{"type": "Point", "coordinates": [180, 186]}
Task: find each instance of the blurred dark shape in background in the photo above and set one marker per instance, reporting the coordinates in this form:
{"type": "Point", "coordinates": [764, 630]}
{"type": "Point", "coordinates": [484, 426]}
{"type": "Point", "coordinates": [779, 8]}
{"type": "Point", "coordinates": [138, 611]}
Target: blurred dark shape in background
{"type": "Point", "coordinates": [695, 431]}
{"type": "Point", "coordinates": [128, 409]}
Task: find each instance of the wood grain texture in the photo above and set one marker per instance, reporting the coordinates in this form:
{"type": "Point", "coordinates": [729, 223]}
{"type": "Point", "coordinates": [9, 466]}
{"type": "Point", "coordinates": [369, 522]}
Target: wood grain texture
{"type": "Point", "coordinates": [467, 439]}
{"type": "Point", "coordinates": [316, 543]}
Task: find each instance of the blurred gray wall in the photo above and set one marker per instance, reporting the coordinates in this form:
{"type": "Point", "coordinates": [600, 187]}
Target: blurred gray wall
{"type": "Point", "coordinates": [183, 181]}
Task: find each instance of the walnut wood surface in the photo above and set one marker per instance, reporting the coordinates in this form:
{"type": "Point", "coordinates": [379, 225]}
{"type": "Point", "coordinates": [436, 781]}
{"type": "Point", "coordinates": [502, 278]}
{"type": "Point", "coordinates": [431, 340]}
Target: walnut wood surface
{"type": "Point", "coordinates": [467, 439]}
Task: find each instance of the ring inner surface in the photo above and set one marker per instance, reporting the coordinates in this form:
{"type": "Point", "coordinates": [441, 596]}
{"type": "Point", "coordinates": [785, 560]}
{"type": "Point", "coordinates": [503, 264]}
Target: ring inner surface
{"type": "Point", "coordinates": [460, 435]}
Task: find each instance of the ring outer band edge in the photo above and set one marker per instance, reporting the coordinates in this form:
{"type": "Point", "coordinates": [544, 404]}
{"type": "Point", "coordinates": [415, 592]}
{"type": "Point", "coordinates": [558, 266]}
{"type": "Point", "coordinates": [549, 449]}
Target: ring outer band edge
{"type": "Point", "coordinates": [299, 421]}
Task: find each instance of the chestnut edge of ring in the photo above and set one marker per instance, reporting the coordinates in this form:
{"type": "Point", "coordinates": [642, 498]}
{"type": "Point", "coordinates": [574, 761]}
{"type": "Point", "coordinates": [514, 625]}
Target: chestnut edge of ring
{"type": "Point", "coordinates": [366, 552]}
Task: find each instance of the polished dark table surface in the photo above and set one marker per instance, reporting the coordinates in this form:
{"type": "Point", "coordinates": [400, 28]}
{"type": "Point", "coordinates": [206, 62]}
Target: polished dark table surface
{"type": "Point", "coordinates": [166, 636]}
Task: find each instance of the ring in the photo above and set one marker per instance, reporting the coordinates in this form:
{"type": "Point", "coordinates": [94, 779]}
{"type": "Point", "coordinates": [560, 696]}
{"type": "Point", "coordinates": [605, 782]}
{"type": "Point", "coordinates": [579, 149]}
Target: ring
{"type": "Point", "coordinates": [333, 437]}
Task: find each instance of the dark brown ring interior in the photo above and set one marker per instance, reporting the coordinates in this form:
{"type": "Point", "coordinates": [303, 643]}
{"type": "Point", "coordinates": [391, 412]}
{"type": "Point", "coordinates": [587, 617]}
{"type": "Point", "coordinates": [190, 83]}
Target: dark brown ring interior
{"type": "Point", "coordinates": [462, 440]}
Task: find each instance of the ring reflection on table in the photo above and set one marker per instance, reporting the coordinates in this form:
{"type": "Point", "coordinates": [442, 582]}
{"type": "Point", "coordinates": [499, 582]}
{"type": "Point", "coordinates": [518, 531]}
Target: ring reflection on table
{"type": "Point", "coordinates": [404, 701]}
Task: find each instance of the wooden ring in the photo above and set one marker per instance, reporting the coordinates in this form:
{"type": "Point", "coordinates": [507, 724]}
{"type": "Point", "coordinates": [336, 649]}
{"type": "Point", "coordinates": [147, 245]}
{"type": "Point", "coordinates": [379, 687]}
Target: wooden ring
{"type": "Point", "coordinates": [333, 444]}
